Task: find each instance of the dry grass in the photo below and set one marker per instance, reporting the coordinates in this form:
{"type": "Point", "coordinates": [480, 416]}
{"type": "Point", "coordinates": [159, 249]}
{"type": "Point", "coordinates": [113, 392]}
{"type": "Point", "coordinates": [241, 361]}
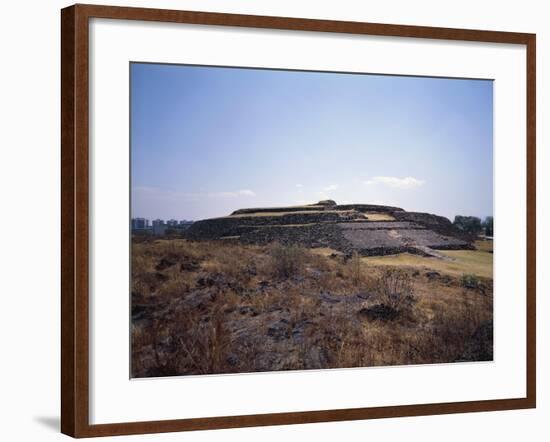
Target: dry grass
{"type": "Point", "coordinates": [286, 261]}
{"type": "Point", "coordinates": [477, 262]}
{"type": "Point", "coordinates": [324, 251]}
{"type": "Point", "coordinates": [484, 245]}
{"type": "Point", "coordinates": [373, 216]}
{"type": "Point", "coordinates": [218, 307]}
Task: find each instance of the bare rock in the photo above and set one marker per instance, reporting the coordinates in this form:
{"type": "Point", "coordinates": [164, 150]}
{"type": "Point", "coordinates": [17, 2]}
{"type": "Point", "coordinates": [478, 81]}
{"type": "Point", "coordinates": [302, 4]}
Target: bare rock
{"type": "Point", "coordinates": [379, 312]}
{"type": "Point", "coordinates": [279, 330]}
{"type": "Point", "coordinates": [432, 275]}
{"type": "Point", "coordinates": [164, 263]}
{"type": "Point", "coordinates": [248, 310]}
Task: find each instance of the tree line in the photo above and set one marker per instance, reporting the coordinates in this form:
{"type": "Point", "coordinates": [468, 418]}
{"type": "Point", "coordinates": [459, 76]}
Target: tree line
{"type": "Point", "coordinates": [472, 225]}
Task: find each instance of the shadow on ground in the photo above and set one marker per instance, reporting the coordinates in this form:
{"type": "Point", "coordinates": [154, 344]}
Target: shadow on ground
{"type": "Point", "coordinates": [51, 422]}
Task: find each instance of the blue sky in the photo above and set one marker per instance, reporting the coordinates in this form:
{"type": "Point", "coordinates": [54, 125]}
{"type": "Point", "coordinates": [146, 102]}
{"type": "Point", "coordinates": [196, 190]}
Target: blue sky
{"type": "Point", "coordinates": [207, 140]}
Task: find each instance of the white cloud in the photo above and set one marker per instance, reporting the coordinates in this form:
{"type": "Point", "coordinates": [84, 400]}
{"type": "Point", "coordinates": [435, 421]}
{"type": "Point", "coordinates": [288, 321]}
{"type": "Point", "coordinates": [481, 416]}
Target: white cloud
{"type": "Point", "coordinates": [156, 194]}
{"type": "Point", "coordinates": [395, 182]}
{"type": "Point", "coordinates": [176, 196]}
{"type": "Point", "coordinates": [331, 187]}
{"type": "Point", "coordinates": [224, 195]}
{"type": "Point", "coordinates": [299, 186]}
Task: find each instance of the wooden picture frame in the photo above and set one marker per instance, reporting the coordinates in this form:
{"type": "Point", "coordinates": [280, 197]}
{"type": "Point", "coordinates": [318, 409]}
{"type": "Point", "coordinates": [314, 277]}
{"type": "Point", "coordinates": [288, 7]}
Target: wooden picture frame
{"type": "Point", "coordinates": [75, 218]}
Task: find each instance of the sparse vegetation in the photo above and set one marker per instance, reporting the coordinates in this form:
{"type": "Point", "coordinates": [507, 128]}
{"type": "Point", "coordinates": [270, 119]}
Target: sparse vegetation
{"type": "Point", "coordinates": [287, 261]}
{"type": "Point", "coordinates": [470, 281]}
{"type": "Point", "coordinates": [395, 288]}
{"type": "Point", "coordinates": [222, 307]}
{"type": "Point", "coordinates": [356, 269]}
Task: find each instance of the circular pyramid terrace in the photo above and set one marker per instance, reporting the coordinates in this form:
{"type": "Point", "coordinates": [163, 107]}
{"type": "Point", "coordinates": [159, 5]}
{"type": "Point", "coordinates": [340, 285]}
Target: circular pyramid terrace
{"type": "Point", "coordinates": [364, 228]}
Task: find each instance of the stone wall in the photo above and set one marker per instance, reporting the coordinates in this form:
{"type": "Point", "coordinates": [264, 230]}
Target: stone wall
{"type": "Point", "coordinates": [311, 235]}
{"type": "Point", "coordinates": [313, 207]}
{"type": "Point", "coordinates": [231, 226]}
{"type": "Point", "coordinates": [437, 223]}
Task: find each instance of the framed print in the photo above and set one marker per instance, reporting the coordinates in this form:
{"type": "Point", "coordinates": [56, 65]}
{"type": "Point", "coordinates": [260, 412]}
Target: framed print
{"type": "Point", "coordinates": [272, 220]}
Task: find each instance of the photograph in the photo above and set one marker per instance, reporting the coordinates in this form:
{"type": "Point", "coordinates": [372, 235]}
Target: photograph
{"type": "Point", "coordinates": [307, 220]}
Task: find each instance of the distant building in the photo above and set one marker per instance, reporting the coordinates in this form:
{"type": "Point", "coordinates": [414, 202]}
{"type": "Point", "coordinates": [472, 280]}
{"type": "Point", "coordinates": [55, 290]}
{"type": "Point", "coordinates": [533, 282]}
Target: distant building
{"type": "Point", "coordinates": [140, 223]}
{"type": "Point", "coordinates": [159, 227]}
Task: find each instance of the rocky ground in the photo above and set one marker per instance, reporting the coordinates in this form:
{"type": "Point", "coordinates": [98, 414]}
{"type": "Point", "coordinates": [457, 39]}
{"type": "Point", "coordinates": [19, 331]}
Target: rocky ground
{"type": "Point", "coordinates": [215, 307]}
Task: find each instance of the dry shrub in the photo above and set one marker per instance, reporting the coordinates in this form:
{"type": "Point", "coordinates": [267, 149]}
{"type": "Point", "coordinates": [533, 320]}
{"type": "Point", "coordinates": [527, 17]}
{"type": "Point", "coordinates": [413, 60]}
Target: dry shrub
{"type": "Point", "coordinates": [287, 260]}
{"type": "Point", "coordinates": [355, 269]}
{"type": "Point", "coordinates": [395, 288]}
{"type": "Point", "coordinates": [189, 344]}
